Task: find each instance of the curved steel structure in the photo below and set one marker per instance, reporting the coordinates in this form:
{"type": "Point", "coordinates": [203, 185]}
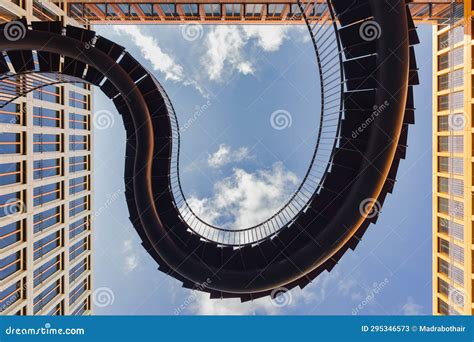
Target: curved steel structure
{"type": "Point", "coordinates": [366, 106]}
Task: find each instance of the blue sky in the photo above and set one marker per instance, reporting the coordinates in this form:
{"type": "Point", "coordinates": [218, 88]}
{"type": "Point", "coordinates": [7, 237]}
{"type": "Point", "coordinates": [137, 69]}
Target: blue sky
{"type": "Point", "coordinates": [225, 82]}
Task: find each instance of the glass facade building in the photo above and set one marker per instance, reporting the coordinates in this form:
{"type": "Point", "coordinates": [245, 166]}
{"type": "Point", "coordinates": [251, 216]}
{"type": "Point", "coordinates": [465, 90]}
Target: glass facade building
{"type": "Point", "coordinates": [453, 158]}
{"type": "Point", "coordinates": [45, 191]}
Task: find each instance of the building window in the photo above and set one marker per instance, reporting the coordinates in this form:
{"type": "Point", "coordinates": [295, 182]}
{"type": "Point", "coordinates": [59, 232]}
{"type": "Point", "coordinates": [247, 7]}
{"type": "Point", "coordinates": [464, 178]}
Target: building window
{"type": "Point", "coordinates": [11, 295]}
{"type": "Point", "coordinates": [169, 10]}
{"type": "Point", "coordinates": [451, 186]}
{"type": "Point", "coordinates": [78, 270]}
{"type": "Point", "coordinates": [47, 270]}
{"type": "Point", "coordinates": [49, 93]}
{"type": "Point", "coordinates": [451, 271]}
{"type": "Point", "coordinates": [212, 10]}
{"type": "Point", "coordinates": [443, 124]}
{"type": "Point", "coordinates": [77, 206]}
{"type": "Point", "coordinates": [77, 164]}
{"type": "Point", "coordinates": [46, 193]}
{"type": "Point", "coordinates": [10, 234]}
{"type": "Point", "coordinates": [46, 117]}
{"type": "Point", "coordinates": [45, 297]}
{"type": "Point", "coordinates": [78, 248]}
{"type": "Point", "coordinates": [451, 228]}
{"type": "Point", "coordinates": [443, 41]}
{"type": "Point", "coordinates": [10, 143]}
{"type": "Point", "coordinates": [78, 100]}
{"type": "Point", "coordinates": [47, 219]}
{"type": "Point", "coordinates": [457, 100]}
{"type": "Point", "coordinates": [275, 10]}
{"type": "Point", "coordinates": [445, 309]}
{"type": "Point", "coordinates": [190, 10]}
{"type": "Point", "coordinates": [451, 165]}
{"type": "Point", "coordinates": [78, 227]}
{"type": "Point", "coordinates": [77, 142]}
{"type": "Point", "coordinates": [147, 10]}
{"type": "Point", "coordinates": [80, 309]}
{"type": "Point", "coordinates": [46, 143]}
{"type": "Point", "coordinates": [451, 59]}
{"type": "Point", "coordinates": [57, 310]}
{"type": "Point", "coordinates": [110, 12]}
{"type": "Point", "coordinates": [45, 168]}
{"type": "Point", "coordinates": [77, 121]}
{"type": "Point", "coordinates": [253, 10]}
{"type": "Point", "coordinates": [46, 245]}
{"type": "Point", "coordinates": [451, 250]}
{"type": "Point", "coordinates": [454, 144]}
{"type": "Point", "coordinates": [10, 265]}
{"type": "Point", "coordinates": [450, 207]}
{"type": "Point", "coordinates": [12, 204]}
{"type": "Point", "coordinates": [453, 79]}
{"type": "Point", "coordinates": [77, 185]}
{"type": "Point", "coordinates": [443, 102]}
{"type": "Point", "coordinates": [451, 122]}
{"type": "Point", "coordinates": [232, 10]}
{"type": "Point", "coordinates": [125, 9]}
{"type": "Point", "coordinates": [10, 114]}
{"type": "Point", "coordinates": [78, 291]}
{"type": "Point", "coordinates": [10, 173]}
{"type": "Point", "coordinates": [295, 10]}
{"type": "Point", "coordinates": [443, 184]}
{"type": "Point", "coordinates": [443, 246]}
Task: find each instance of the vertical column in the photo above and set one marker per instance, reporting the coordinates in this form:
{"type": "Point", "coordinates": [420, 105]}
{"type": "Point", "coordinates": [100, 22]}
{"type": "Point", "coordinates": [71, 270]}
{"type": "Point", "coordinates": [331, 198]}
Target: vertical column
{"type": "Point", "coordinates": [65, 161]}
{"type": "Point", "coordinates": [435, 169]}
{"type": "Point", "coordinates": [469, 155]}
{"type": "Point", "coordinates": [91, 197]}
{"type": "Point", "coordinates": [467, 159]}
{"type": "Point", "coordinates": [28, 199]}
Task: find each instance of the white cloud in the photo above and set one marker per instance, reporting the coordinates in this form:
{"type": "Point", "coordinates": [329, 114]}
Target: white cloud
{"type": "Point", "coordinates": [131, 260]}
{"type": "Point", "coordinates": [228, 47]}
{"type": "Point", "coordinates": [226, 155]}
{"type": "Point", "coordinates": [269, 38]}
{"type": "Point", "coordinates": [160, 60]}
{"type": "Point", "coordinates": [224, 46]}
{"type": "Point", "coordinates": [345, 286]}
{"type": "Point", "coordinates": [245, 199]}
{"type": "Point", "coordinates": [411, 308]}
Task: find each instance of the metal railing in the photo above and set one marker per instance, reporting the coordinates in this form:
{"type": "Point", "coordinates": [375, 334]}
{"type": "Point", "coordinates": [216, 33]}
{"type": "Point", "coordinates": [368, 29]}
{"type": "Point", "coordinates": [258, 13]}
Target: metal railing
{"type": "Point", "coordinates": [324, 35]}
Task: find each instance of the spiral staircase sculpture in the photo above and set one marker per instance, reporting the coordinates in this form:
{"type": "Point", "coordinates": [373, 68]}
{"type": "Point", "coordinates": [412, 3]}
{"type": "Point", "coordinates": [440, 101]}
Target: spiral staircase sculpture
{"type": "Point", "coordinates": [364, 52]}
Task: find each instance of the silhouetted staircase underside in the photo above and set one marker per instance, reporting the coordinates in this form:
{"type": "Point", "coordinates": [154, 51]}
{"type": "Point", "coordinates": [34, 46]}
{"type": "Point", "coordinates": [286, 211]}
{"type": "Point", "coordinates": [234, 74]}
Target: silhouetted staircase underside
{"type": "Point", "coordinates": [376, 78]}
